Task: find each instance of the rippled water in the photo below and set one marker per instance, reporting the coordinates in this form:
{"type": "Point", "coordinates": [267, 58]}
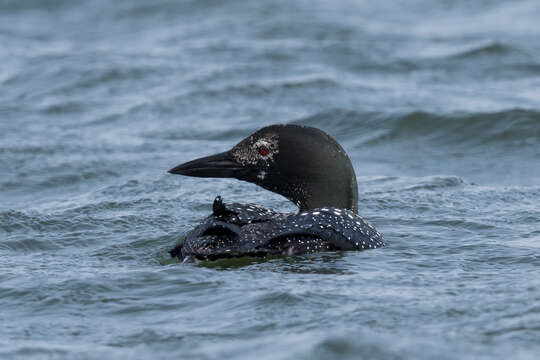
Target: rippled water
{"type": "Point", "coordinates": [436, 102]}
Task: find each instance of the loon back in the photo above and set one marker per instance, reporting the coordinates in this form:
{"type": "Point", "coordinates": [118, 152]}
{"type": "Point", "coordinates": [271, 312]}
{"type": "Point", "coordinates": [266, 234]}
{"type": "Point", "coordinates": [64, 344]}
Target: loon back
{"type": "Point", "coordinates": [235, 230]}
{"type": "Point", "coordinates": [303, 164]}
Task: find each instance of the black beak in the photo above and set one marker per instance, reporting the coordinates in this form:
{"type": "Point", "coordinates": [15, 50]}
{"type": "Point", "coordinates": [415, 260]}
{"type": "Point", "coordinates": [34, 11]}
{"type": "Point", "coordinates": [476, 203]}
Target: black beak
{"type": "Point", "coordinates": [217, 166]}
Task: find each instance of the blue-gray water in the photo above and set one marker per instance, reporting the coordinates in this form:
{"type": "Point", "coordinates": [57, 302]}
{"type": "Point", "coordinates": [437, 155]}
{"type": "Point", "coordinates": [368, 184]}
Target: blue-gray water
{"type": "Point", "coordinates": [436, 102]}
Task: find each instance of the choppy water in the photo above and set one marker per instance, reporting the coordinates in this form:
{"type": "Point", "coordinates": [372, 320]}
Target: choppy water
{"type": "Point", "coordinates": [436, 102]}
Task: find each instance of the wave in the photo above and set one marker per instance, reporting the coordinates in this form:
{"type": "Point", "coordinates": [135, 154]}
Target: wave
{"type": "Point", "coordinates": [515, 127]}
{"type": "Point", "coordinates": [489, 49]}
{"type": "Point", "coordinates": [470, 50]}
{"type": "Point", "coordinates": [17, 5]}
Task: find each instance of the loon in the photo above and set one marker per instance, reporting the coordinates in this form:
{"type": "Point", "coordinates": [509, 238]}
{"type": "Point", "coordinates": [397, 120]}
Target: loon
{"type": "Point", "coordinates": [301, 163]}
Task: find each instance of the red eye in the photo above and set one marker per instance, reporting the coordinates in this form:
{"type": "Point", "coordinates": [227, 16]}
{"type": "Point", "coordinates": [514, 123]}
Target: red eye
{"type": "Point", "coordinates": [263, 151]}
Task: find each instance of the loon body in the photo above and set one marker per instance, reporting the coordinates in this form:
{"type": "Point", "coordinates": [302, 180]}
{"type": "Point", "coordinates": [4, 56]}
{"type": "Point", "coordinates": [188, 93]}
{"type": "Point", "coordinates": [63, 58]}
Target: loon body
{"type": "Point", "coordinates": [305, 165]}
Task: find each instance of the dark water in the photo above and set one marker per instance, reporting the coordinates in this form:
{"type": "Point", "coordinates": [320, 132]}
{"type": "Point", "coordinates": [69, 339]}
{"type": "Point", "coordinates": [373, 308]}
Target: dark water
{"type": "Point", "coordinates": [437, 103]}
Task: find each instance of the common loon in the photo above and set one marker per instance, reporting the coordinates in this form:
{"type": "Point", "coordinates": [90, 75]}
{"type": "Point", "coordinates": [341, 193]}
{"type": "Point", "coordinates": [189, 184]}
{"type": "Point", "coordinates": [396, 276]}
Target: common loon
{"type": "Point", "coordinates": [305, 165]}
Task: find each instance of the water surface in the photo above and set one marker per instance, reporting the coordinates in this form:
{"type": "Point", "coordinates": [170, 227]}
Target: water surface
{"type": "Point", "coordinates": [436, 102]}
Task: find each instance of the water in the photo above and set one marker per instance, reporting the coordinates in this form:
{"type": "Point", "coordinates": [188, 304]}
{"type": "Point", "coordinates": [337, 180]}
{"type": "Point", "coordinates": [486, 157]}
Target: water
{"type": "Point", "coordinates": [436, 102]}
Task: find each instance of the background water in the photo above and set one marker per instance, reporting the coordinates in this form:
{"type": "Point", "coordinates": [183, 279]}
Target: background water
{"type": "Point", "coordinates": [437, 103]}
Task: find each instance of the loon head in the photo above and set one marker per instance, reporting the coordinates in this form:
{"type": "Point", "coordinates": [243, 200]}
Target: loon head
{"type": "Point", "coordinates": [304, 164]}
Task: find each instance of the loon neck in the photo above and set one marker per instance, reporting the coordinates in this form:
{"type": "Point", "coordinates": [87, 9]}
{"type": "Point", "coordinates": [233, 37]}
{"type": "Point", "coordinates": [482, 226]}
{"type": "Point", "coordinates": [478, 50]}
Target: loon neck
{"type": "Point", "coordinates": [319, 192]}
{"type": "Point", "coordinates": [337, 194]}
